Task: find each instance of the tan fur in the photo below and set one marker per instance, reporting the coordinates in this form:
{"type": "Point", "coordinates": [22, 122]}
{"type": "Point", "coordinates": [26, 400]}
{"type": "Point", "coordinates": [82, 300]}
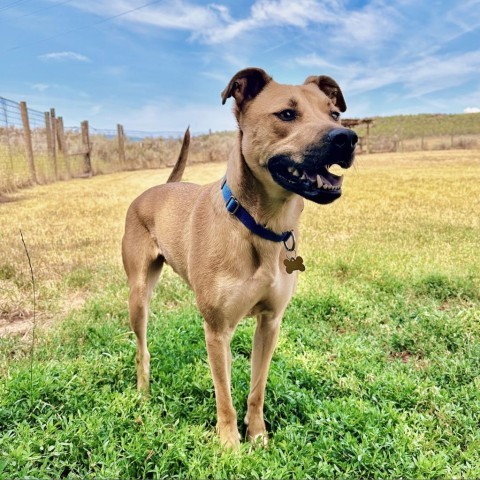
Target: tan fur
{"type": "Point", "coordinates": [179, 168]}
{"type": "Point", "coordinates": [233, 272]}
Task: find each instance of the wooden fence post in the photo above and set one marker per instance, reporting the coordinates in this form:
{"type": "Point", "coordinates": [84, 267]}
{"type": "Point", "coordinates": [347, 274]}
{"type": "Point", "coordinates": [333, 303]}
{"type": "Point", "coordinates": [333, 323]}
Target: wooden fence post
{"type": "Point", "coordinates": [62, 144]}
{"type": "Point", "coordinates": [121, 143]}
{"type": "Point", "coordinates": [87, 163]}
{"type": "Point", "coordinates": [27, 135]}
{"type": "Point", "coordinates": [53, 123]}
{"type": "Point", "coordinates": [48, 131]}
{"type": "Point", "coordinates": [368, 138]}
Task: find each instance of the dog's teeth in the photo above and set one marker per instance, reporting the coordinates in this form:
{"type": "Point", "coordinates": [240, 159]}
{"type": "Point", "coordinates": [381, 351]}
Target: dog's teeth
{"type": "Point", "coordinates": [296, 173]}
{"type": "Point", "coordinates": [319, 181]}
{"type": "Point", "coordinates": [291, 169]}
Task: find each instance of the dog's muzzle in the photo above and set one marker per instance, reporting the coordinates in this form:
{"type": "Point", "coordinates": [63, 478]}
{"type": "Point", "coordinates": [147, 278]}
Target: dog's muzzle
{"type": "Point", "coordinates": [311, 178]}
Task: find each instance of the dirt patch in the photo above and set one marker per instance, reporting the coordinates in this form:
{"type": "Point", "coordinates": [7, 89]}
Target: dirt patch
{"type": "Point", "coordinates": [404, 356]}
{"type": "Point", "coordinates": [17, 322]}
{"type": "Point", "coordinates": [20, 322]}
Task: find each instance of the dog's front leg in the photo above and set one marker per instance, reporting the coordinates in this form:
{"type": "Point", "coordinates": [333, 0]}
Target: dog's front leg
{"type": "Point", "coordinates": [220, 358]}
{"type": "Point", "coordinates": [264, 342]}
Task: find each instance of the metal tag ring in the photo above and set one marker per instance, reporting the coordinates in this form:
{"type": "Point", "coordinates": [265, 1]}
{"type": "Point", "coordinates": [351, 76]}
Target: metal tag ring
{"type": "Point", "coordinates": [292, 248]}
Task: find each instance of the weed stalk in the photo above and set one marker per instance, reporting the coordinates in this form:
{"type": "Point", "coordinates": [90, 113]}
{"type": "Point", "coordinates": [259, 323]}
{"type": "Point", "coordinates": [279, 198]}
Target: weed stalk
{"type": "Point", "coordinates": [32, 346]}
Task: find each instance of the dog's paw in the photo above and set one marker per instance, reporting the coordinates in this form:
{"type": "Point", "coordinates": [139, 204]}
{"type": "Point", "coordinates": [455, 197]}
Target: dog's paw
{"type": "Point", "coordinates": [229, 437]}
{"type": "Point", "coordinates": [259, 440]}
{"type": "Point", "coordinates": [256, 432]}
{"type": "Point", "coordinates": [143, 388]}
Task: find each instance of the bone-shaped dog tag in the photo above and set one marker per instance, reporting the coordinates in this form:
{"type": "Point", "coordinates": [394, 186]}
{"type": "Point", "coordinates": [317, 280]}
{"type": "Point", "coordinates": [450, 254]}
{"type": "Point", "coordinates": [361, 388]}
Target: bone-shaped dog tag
{"type": "Point", "coordinates": [292, 264]}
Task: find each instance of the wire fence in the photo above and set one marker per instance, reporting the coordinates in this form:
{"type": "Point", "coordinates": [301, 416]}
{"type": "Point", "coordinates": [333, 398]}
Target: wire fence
{"type": "Point", "coordinates": [33, 147]}
{"type": "Point", "coordinates": [36, 147]}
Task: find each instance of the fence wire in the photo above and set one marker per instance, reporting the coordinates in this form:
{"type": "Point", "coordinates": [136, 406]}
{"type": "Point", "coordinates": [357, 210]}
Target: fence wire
{"type": "Point", "coordinates": [13, 161]}
{"type": "Point", "coordinates": [45, 161]}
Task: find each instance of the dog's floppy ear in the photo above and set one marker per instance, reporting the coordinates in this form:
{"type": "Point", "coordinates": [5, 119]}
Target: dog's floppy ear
{"type": "Point", "coordinates": [330, 88]}
{"type": "Point", "coordinates": [245, 85]}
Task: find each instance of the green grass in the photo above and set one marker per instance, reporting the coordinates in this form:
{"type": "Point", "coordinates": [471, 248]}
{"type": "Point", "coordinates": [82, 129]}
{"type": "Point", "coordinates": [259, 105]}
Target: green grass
{"type": "Point", "coordinates": [376, 374]}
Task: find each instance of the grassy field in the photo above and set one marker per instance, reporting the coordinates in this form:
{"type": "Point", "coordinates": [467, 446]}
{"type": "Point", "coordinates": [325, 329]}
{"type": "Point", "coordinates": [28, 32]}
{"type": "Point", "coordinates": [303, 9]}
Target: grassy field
{"type": "Point", "coordinates": [377, 371]}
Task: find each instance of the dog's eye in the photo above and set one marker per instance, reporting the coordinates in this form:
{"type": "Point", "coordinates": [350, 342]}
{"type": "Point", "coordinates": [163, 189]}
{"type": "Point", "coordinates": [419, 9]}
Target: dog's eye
{"type": "Point", "coordinates": [287, 115]}
{"type": "Point", "coordinates": [335, 115]}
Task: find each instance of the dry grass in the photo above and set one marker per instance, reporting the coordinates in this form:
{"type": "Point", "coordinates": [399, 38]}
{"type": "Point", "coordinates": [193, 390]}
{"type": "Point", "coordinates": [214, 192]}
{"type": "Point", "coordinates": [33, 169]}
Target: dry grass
{"type": "Point", "coordinates": [73, 231]}
{"type": "Point", "coordinates": [158, 152]}
{"type": "Point", "coordinates": [408, 214]}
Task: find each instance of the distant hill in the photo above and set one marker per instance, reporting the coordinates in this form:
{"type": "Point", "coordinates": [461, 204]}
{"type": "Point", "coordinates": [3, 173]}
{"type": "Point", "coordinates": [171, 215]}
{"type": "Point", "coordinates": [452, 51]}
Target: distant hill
{"type": "Point", "coordinates": [424, 125]}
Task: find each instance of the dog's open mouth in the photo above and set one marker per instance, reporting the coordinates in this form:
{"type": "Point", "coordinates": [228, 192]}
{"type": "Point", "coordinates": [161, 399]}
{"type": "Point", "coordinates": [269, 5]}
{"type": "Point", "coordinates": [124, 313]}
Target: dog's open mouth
{"type": "Point", "coordinates": [317, 184]}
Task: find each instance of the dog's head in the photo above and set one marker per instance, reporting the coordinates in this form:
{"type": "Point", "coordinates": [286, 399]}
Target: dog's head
{"type": "Point", "coordinates": [291, 134]}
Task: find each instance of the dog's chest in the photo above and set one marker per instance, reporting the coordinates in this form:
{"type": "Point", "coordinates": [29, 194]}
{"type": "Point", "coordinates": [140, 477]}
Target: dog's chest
{"type": "Point", "coordinates": [268, 291]}
{"type": "Point", "coordinates": [273, 296]}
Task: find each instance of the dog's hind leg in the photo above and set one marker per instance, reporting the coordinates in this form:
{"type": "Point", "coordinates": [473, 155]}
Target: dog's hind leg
{"type": "Point", "coordinates": [264, 342]}
{"type": "Point", "coordinates": [143, 266]}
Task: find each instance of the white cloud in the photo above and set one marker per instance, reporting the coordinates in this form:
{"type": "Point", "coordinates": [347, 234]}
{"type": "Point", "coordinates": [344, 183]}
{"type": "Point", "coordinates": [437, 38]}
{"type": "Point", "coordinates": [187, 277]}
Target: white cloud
{"type": "Point", "coordinates": [219, 77]}
{"type": "Point", "coordinates": [368, 28]}
{"type": "Point", "coordinates": [269, 13]}
{"type": "Point", "coordinates": [438, 73]}
{"type": "Point", "coordinates": [213, 23]}
{"type": "Point", "coordinates": [314, 61]}
{"type": "Point", "coordinates": [170, 14]}
{"type": "Point", "coordinates": [466, 15]}
{"type": "Point", "coordinates": [420, 76]}
{"type": "Point", "coordinates": [471, 110]}
{"type": "Point", "coordinates": [179, 15]}
{"type": "Point", "coordinates": [63, 56]}
{"type": "Point", "coordinates": [40, 87]}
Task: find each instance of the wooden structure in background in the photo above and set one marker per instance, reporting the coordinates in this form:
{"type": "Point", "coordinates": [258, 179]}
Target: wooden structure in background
{"type": "Point", "coordinates": [355, 122]}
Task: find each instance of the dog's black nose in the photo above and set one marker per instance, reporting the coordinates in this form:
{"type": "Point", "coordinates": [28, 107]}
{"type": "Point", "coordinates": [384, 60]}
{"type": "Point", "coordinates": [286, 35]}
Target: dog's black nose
{"type": "Point", "coordinates": [343, 138]}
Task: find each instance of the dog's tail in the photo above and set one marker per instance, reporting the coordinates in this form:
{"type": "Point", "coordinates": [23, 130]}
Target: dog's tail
{"type": "Point", "coordinates": [179, 167]}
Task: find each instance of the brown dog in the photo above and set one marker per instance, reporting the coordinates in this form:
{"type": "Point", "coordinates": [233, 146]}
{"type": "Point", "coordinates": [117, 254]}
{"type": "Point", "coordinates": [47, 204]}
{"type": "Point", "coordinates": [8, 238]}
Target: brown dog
{"type": "Point", "coordinates": [232, 240]}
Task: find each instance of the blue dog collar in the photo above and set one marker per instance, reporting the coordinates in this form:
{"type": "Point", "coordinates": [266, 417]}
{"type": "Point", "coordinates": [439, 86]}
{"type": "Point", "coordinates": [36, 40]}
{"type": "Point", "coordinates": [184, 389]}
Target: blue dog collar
{"type": "Point", "coordinates": [234, 207]}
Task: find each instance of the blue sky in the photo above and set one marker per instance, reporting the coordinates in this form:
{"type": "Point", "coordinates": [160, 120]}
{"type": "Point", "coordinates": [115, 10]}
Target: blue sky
{"type": "Point", "coordinates": [161, 65]}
